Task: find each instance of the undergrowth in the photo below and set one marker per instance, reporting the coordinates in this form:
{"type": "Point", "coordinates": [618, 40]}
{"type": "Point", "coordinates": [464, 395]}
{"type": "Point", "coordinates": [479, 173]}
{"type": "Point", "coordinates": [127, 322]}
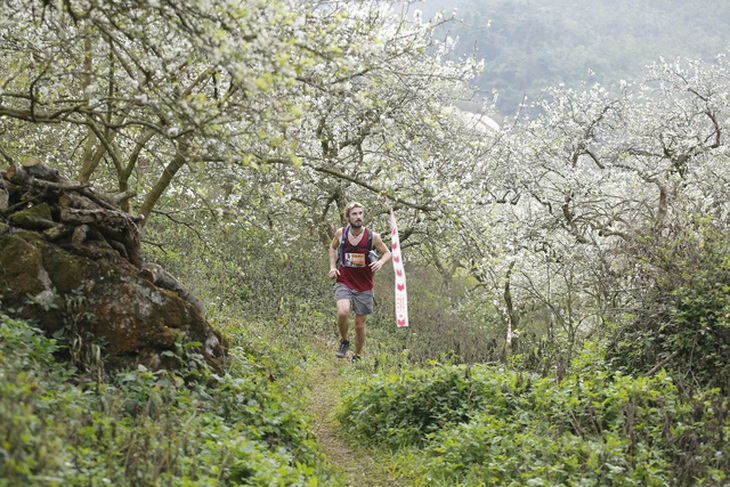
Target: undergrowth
{"type": "Point", "coordinates": [419, 402]}
{"type": "Point", "coordinates": [150, 428]}
{"type": "Point", "coordinates": [481, 425]}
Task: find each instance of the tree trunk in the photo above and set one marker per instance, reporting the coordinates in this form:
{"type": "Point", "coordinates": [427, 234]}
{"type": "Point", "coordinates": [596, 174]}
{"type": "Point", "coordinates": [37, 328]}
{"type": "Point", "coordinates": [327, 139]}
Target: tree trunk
{"type": "Point", "coordinates": [177, 162]}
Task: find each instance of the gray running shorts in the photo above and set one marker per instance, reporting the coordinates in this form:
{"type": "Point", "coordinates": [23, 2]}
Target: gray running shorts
{"type": "Point", "coordinates": [361, 301]}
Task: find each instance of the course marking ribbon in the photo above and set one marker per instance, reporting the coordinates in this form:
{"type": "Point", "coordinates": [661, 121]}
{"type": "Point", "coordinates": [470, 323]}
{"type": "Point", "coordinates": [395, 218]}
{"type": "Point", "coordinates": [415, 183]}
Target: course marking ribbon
{"type": "Point", "coordinates": [509, 331]}
{"type": "Point", "coordinates": [401, 297]}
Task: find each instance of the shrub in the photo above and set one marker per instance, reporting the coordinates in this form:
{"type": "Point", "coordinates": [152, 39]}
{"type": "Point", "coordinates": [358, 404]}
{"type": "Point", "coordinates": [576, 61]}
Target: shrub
{"type": "Point", "coordinates": [255, 273]}
{"type": "Point", "coordinates": [407, 409]}
{"type": "Point", "coordinates": [145, 427]}
{"type": "Point", "coordinates": [684, 322]}
{"type": "Point", "coordinates": [603, 430]}
{"type": "Point", "coordinates": [485, 426]}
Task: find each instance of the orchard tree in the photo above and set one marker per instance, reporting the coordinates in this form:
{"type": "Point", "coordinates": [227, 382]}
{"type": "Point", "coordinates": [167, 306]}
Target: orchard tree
{"type": "Point", "coordinates": [595, 194]}
{"type": "Point", "coordinates": [248, 123]}
{"type": "Point", "coordinates": [143, 88]}
{"type": "Point", "coordinates": [380, 123]}
{"type": "Point", "coordinates": [237, 104]}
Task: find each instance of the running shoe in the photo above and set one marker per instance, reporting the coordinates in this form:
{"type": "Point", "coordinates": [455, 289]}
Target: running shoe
{"type": "Point", "coordinates": [342, 350]}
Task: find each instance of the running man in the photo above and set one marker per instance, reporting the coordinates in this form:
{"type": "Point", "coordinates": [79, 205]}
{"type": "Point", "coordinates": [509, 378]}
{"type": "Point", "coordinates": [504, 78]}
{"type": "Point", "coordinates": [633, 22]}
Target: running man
{"type": "Point", "coordinates": [354, 275]}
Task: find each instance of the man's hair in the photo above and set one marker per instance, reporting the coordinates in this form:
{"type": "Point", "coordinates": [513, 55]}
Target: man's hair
{"type": "Point", "coordinates": [350, 206]}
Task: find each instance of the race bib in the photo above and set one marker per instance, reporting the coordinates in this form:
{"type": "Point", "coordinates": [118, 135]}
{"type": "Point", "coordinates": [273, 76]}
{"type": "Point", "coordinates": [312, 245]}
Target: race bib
{"type": "Point", "coordinates": [354, 260]}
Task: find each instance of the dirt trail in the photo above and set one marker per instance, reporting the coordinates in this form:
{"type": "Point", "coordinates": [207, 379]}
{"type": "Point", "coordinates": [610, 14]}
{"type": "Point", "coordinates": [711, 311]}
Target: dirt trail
{"type": "Point", "coordinates": [323, 396]}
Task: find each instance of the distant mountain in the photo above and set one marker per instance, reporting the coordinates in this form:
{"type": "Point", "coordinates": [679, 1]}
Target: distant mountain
{"type": "Point", "coordinates": [532, 44]}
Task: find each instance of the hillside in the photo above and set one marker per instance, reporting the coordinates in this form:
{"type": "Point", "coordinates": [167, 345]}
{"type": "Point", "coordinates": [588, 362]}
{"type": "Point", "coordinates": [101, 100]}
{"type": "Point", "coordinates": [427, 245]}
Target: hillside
{"type": "Point", "coordinates": [381, 422]}
{"type": "Point", "coordinates": [568, 275]}
{"type": "Point", "coordinates": [529, 45]}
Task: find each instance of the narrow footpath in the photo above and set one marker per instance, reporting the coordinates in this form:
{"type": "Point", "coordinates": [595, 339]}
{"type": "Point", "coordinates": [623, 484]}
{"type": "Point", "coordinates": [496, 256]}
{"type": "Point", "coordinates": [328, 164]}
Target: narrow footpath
{"type": "Point", "coordinates": [323, 396]}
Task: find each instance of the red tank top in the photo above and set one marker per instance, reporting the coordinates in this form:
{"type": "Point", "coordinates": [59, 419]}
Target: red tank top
{"type": "Point", "coordinates": [356, 272]}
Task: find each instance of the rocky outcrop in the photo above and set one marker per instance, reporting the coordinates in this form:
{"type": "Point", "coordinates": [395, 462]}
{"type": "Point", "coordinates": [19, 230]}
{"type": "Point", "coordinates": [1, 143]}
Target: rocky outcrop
{"type": "Point", "coordinates": [73, 267]}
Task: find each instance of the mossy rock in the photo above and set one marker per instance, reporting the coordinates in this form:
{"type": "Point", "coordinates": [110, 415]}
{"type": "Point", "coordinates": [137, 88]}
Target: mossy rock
{"type": "Point", "coordinates": [99, 301]}
{"type": "Point", "coordinates": [37, 216]}
{"type": "Point", "coordinates": [21, 259]}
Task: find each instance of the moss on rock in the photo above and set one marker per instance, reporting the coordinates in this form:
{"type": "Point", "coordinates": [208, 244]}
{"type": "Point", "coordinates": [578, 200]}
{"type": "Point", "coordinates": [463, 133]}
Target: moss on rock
{"type": "Point", "coordinates": [100, 302]}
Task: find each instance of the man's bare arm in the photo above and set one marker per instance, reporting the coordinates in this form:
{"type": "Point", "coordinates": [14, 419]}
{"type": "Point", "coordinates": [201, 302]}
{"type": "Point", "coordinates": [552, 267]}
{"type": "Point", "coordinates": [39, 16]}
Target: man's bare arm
{"type": "Point", "coordinates": [384, 251]}
{"type": "Point", "coordinates": [333, 250]}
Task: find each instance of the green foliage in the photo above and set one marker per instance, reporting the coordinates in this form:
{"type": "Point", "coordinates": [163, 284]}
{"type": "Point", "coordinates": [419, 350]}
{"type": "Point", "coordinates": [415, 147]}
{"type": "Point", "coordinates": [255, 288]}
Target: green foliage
{"type": "Point", "coordinates": [483, 426]}
{"type": "Point", "coordinates": [446, 321]}
{"type": "Point", "coordinates": [26, 397]}
{"type": "Point", "coordinates": [684, 325]}
{"type": "Point", "coordinates": [236, 278]}
{"type": "Point", "coordinates": [145, 427]}
{"type": "Point", "coordinates": [405, 409]}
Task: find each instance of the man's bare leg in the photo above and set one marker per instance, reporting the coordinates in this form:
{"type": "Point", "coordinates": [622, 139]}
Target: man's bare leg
{"type": "Point", "coordinates": [343, 318]}
{"type": "Point", "coordinates": [343, 324]}
{"type": "Point", "coordinates": [359, 333]}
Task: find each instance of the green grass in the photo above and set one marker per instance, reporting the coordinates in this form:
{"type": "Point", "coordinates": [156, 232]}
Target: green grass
{"type": "Point", "coordinates": [287, 412]}
{"type": "Point", "coordinates": [482, 425]}
{"type": "Point", "coordinates": [151, 428]}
